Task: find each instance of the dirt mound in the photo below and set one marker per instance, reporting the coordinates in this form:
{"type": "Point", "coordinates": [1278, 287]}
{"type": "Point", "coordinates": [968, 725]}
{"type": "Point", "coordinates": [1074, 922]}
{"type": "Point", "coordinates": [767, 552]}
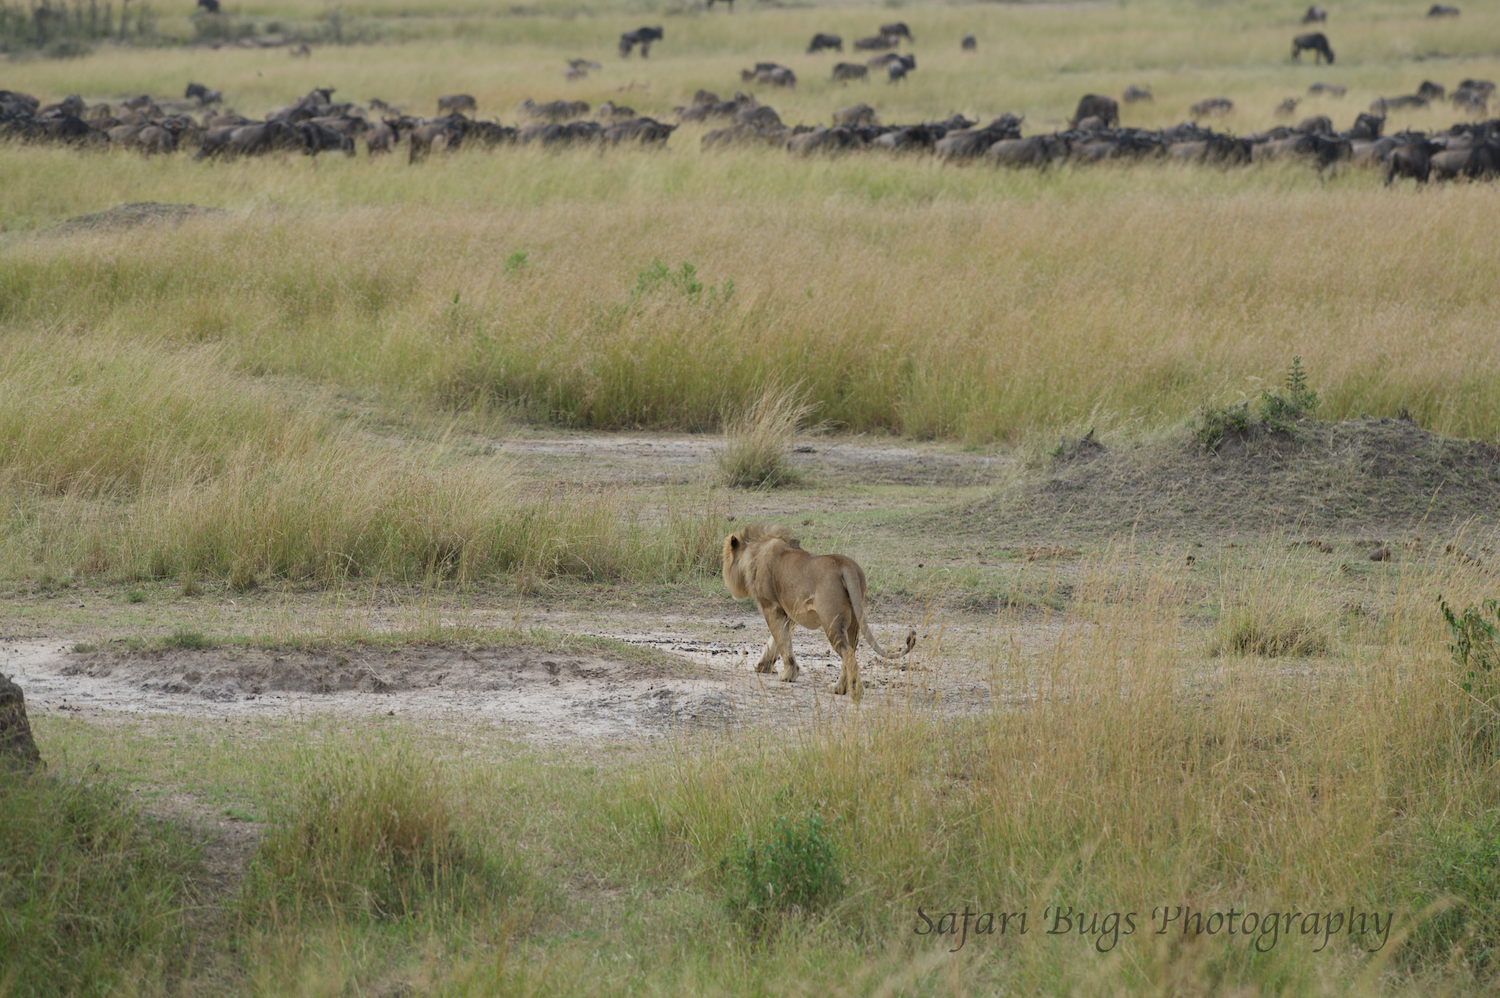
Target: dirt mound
{"type": "Point", "coordinates": [1367, 475]}
{"type": "Point", "coordinates": [237, 673]}
{"type": "Point", "coordinates": [128, 216]}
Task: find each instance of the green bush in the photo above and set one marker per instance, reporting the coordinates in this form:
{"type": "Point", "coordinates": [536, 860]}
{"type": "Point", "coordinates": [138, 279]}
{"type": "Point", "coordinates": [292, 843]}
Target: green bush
{"type": "Point", "coordinates": [1476, 652]}
{"type": "Point", "coordinates": [1462, 864]}
{"type": "Point", "coordinates": [796, 871]}
{"type": "Point", "coordinates": [89, 890]}
{"type": "Point", "coordinates": [1214, 424]}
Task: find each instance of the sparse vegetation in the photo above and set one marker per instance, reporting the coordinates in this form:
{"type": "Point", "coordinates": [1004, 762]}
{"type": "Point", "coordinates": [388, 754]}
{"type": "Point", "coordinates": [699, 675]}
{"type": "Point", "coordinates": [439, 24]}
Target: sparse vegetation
{"type": "Point", "coordinates": [794, 872]}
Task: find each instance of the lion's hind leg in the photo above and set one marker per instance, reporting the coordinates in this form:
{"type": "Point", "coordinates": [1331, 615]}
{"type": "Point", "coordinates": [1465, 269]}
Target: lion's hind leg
{"type": "Point", "coordinates": [843, 644]}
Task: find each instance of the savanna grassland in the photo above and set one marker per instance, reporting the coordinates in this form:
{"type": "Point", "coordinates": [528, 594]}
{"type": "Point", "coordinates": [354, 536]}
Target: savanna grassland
{"type": "Point", "coordinates": [354, 403]}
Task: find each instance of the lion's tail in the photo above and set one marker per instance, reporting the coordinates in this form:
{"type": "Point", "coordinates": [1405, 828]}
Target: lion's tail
{"type": "Point", "coordinates": [856, 590]}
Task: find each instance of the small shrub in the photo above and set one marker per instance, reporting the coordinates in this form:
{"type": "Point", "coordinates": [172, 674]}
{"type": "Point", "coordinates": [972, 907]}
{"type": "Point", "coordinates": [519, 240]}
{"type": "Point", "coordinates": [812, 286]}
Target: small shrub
{"type": "Point", "coordinates": [188, 640]}
{"type": "Point", "coordinates": [515, 263]}
{"type": "Point", "coordinates": [1462, 862]}
{"type": "Point", "coordinates": [1214, 424]}
{"type": "Point", "coordinates": [1476, 651]}
{"type": "Point", "coordinates": [684, 282]}
{"type": "Point", "coordinates": [1280, 409]}
{"type": "Point", "coordinates": [796, 871]}
{"type": "Point", "coordinates": [190, 585]}
{"type": "Point", "coordinates": [756, 440]}
{"type": "Point", "coordinates": [1268, 634]}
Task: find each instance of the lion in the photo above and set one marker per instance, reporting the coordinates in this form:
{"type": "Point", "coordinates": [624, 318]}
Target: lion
{"type": "Point", "coordinates": [767, 564]}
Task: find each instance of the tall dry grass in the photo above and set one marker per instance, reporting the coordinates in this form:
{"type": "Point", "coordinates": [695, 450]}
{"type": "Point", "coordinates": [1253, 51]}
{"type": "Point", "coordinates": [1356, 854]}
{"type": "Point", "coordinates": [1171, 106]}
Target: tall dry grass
{"type": "Point", "coordinates": [146, 462]}
{"type": "Point", "coordinates": [1012, 306]}
{"type": "Point", "coordinates": [758, 437]}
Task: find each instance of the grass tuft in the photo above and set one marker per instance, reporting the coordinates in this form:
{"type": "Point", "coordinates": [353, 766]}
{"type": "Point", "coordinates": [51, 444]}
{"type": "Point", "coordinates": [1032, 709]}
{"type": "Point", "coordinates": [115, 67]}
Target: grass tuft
{"type": "Point", "coordinates": [756, 439]}
{"type": "Point", "coordinates": [1268, 634]}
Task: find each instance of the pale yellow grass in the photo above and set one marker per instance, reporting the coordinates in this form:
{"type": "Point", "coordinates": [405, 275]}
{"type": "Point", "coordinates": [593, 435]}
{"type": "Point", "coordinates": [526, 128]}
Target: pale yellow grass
{"type": "Point", "coordinates": [1003, 305]}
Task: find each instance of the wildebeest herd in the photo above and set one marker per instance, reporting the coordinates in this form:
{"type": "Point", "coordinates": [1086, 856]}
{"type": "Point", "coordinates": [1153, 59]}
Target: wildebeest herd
{"type": "Point", "coordinates": [315, 122]}
{"type": "Point", "coordinates": [311, 124]}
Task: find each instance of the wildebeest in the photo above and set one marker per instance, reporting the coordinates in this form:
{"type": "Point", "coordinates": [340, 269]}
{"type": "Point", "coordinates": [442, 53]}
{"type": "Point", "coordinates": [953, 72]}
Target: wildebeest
{"type": "Point", "coordinates": [859, 114]}
{"type": "Point", "coordinates": [875, 43]}
{"type": "Point", "coordinates": [558, 110]}
{"type": "Point", "coordinates": [1317, 42]}
{"type": "Point", "coordinates": [1211, 106]}
{"type": "Point", "coordinates": [1106, 109]}
{"type": "Point", "coordinates": [1413, 159]}
{"type": "Point", "coordinates": [646, 131]}
{"type": "Point", "coordinates": [1380, 105]}
{"type": "Point", "coordinates": [1319, 123]}
{"type": "Point", "coordinates": [850, 71]}
{"type": "Point", "coordinates": [1288, 107]}
{"type": "Point", "coordinates": [770, 73]}
{"type": "Point", "coordinates": [710, 6]}
{"type": "Point", "coordinates": [821, 41]}
{"type": "Point", "coordinates": [1367, 127]}
{"type": "Point", "coordinates": [615, 112]}
{"type": "Point", "coordinates": [642, 37]}
{"type": "Point", "coordinates": [381, 137]}
{"type": "Point", "coordinates": [209, 6]}
{"type": "Point", "coordinates": [1327, 89]}
{"type": "Point", "coordinates": [1037, 150]}
{"type": "Point", "coordinates": [204, 95]}
{"type": "Point", "coordinates": [897, 30]}
{"type": "Point", "coordinates": [457, 104]}
{"type": "Point", "coordinates": [969, 43]}
{"type": "Point", "coordinates": [898, 68]}
{"type": "Point", "coordinates": [1442, 10]}
{"type": "Point", "coordinates": [1432, 91]}
{"type": "Point", "coordinates": [1315, 14]}
{"type": "Point", "coordinates": [1133, 94]}
{"type": "Point", "coordinates": [579, 68]}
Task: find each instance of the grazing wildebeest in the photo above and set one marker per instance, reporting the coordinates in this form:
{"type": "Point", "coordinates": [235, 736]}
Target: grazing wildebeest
{"type": "Point", "coordinates": [1317, 42]}
{"type": "Point", "coordinates": [456, 104]}
{"type": "Point", "coordinates": [1432, 91]}
{"type": "Point", "coordinates": [821, 41]}
{"type": "Point", "coordinates": [646, 131]}
{"type": "Point", "coordinates": [897, 30]}
{"type": "Point", "coordinates": [642, 37]}
{"type": "Point", "coordinates": [1328, 89]}
{"type": "Point", "coordinates": [859, 114]}
{"type": "Point", "coordinates": [1320, 123]}
{"type": "Point", "coordinates": [558, 110]}
{"type": "Point", "coordinates": [1288, 107]}
{"type": "Point", "coordinates": [1366, 128]}
{"type": "Point", "coordinates": [1106, 109]}
{"type": "Point", "coordinates": [875, 43]}
{"type": "Point", "coordinates": [1414, 159]}
{"type": "Point", "coordinates": [969, 43]}
{"type": "Point", "coordinates": [1133, 94]}
{"type": "Point", "coordinates": [1315, 14]}
{"type": "Point", "coordinates": [579, 68]}
{"type": "Point", "coordinates": [209, 6]}
{"type": "Point", "coordinates": [1211, 106]}
{"type": "Point", "coordinates": [1380, 105]}
{"type": "Point", "coordinates": [1038, 150]}
{"type": "Point", "coordinates": [1442, 10]}
{"type": "Point", "coordinates": [770, 73]}
{"type": "Point", "coordinates": [899, 67]}
{"type": "Point", "coordinates": [850, 71]}
{"type": "Point", "coordinates": [381, 137]}
{"type": "Point", "coordinates": [710, 6]}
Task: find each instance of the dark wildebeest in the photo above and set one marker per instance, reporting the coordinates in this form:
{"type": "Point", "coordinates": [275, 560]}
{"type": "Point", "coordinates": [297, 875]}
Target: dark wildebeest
{"type": "Point", "coordinates": [1380, 105]}
{"type": "Point", "coordinates": [646, 131]}
{"type": "Point", "coordinates": [1315, 15]}
{"type": "Point", "coordinates": [897, 30]}
{"type": "Point", "coordinates": [1211, 106]}
{"type": "Point", "coordinates": [821, 41]}
{"type": "Point", "coordinates": [771, 74]}
{"type": "Point", "coordinates": [1317, 42]}
{"type": "Point", "coordinates": [850, 71]}
{"type": "Point", "coordinates": [1106, 109]}
{"type": "Point", "coordinates": [1366, 128]}
{"type": "Point", "coordinates": [899, 67]}
{"type": "Point", "coordinates": [642, 37]}
{"type": "Point", "coordinates": [1320, 123]}
{"type": "Point", "coordinates": [1442, 10]}
{"type": "Point", "coordinates": [1414, 159]}
{"type": "Point", "coordinates": [1328, 89]}
{"type": "Point", "coordinates": [1134, 93]}
{"type": "Point", "coordinates": [558, 110]}
{"type": "Point", "coordinates": [209, 6]}
{"type": "Point", "coordinates": [1432, 91]}
{"type": "Point", "coordinates": [969, 43]}
{"type": "Point", "coordinates": [204, 95]}
{"type": "Point", "coordinates": [875, 43]}
{"type": "Point", "coordinates": [381, 137]}
{"type": "Point", "coordinates": [710, 5]}
{"type": "Point", "coordinates": [1288, 107]}
{"type": "Point", "coordinates": [457, 103]}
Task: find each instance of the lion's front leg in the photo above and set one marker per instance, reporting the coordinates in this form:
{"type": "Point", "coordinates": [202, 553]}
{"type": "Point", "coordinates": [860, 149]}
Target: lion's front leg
{"type": "Point", "coordinates": [767, 661]}
{"type": "Point", "coordinates": [781, 641]}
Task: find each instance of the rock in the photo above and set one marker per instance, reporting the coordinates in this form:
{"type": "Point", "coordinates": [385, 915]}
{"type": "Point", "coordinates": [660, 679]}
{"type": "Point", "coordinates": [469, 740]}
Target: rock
{"type": "Point", "coordinates": [16, 744]}
{"type": "Point", "coordinates": [1381, 553]}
